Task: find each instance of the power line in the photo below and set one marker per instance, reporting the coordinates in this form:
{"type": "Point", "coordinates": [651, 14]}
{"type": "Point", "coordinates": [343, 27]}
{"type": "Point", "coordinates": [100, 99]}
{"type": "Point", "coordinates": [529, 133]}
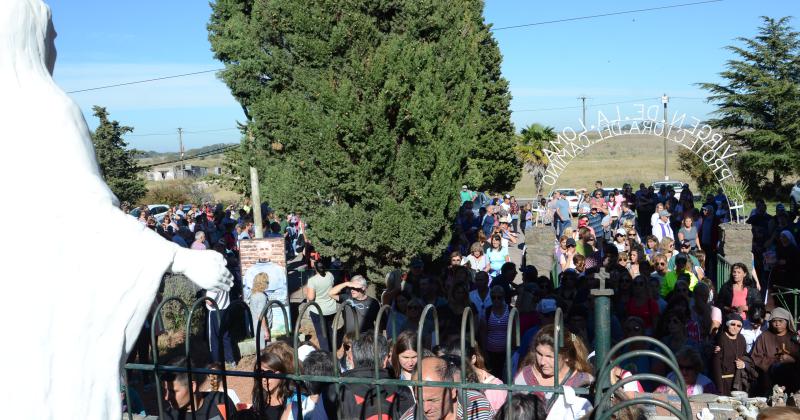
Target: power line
{"type": "Point", "coordinates": [588, 106]}
{"type": "Point", "coordinates": [172, 133]}
{"type": "Point", "coordinates": [624, 12]}
{"type": "Point", "coordinates": [144, 81]}
{"type": "Point", "coordinates": [199, 155]}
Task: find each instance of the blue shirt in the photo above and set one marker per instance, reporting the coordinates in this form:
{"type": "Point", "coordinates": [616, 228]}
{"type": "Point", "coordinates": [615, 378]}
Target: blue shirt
{"type": "Point", "coordinates": [563, 208]}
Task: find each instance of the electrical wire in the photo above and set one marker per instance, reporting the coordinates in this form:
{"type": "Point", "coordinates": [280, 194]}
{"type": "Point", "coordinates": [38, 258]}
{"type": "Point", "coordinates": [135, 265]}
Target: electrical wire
{"type": "Point", "coordinates": [144, 81]}
{"type": "Point", "coordinates": [172, 133]}
{"type": "Point", "coordinates": [199, 155]}
{"type": "Point", "coordinates": [587, 106]}
{"type": "Point", "coordinates": [624, 12]}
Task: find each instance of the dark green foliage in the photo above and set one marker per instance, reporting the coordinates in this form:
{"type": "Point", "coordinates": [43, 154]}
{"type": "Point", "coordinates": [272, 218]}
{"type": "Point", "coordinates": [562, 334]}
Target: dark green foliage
{"type": "Point", "coordinates": [759, 104]}
{"type": "Point", "coordinates": [702, 176]}
{"type": "Point", "coordinates": [117, 163]}
{"type": "Point", "coordinates": [366, 116]}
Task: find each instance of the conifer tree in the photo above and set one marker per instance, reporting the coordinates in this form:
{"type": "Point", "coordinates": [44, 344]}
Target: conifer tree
{"type": "Point", "coordinates": [361, 114]}
{"type": "Point", "coordinates": [117, 162]}
{"type": "Point", "coordinates": [758, 104]}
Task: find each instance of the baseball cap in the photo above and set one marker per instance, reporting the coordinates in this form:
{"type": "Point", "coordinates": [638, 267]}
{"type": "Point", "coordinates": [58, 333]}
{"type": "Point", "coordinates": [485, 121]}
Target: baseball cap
{"type": "Point", "coordinates": [663, 213]}
{"type": "Point", "coordinates": [686, 244]}
{"type": "Point", "coordinates": [464, 187]}
{"type": "Point", "coordinates": [571, 242]}
{"type": "Point", "coordinates": [780, 207]}
{"type": "Point", "coordinates": [507, 196]}
{"type": "Point", "coordinates": [621, 231]}
{"type": "Point", "coordinates": [546, 306]}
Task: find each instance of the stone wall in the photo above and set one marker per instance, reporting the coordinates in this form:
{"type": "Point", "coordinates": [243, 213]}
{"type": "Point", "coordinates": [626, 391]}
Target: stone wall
{"type": "Point", "coordinates": [541, 242]}
{"type": "Point", "coordinates": [737, 239]}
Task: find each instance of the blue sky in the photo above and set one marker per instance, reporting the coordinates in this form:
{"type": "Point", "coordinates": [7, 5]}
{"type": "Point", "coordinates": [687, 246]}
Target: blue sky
{"type": "Point", "coordinates": [608, 59]}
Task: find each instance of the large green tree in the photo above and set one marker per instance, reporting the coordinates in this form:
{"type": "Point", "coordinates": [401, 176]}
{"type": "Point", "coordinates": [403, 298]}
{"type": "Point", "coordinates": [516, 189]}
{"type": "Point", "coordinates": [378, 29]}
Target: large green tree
{"type": "Point", "coordinates": [117, 162]}
{"type": "Point", "coordinates": [758, 104]}
{"type": "Point", "coordinates": [361, 114]}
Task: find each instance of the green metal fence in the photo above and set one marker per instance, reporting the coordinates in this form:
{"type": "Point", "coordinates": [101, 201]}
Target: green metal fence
{"type": "Point", "coordinates": [723, 271]}
{"type": "Point", "coordinates": [467, 338]}
{"type": "Point", "coordinates": [783, 296]}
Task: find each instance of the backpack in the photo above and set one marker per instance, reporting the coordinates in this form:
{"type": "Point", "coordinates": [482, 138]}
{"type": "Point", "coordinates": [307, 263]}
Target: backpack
{"type": "Point", "coordinates": [359, 402]}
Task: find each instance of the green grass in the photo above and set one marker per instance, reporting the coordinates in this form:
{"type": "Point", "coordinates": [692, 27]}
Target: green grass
{"type": "Point", "coordinates": [631, 159]}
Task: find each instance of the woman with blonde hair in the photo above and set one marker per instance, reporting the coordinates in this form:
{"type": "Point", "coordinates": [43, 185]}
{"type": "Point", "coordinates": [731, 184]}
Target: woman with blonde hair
{"type": "Point", "coordinates": [667, 247]}
{"type": "Point", "coordinates": [257, 302]}
{"type": "Point", "coordinates": [538, 366]}
{"type": "Point", "coordinates": [476, 260]}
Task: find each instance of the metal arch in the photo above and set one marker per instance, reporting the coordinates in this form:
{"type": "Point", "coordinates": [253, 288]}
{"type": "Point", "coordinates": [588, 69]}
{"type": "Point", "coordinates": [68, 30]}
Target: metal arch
{"type": "Point", "coordinates": [334, 345]}
{"type": "Point", "coordinates": [467, 317]}
{"type": "Point", "coordinates": [295, 343]}
{"type": "Point", "coordinates": [513, 324]}
{"type": "Point", "coordinates": [392, 319]}
{"type": "Point", "coordinates": [264, 316]}
{"type": "Point", "coordinates": [154, 347]}
{"type": "Point", "coordinates": [195, 305]}
{"type": "Point", "coordinates": [424, 317]}
{"type": "Point", "coordinates": [649, 340]}
{"type": "Point", "coordinates": [376, 330]}
{"type": "Point", "coordinates": [635, 401]}
{"type": "Point", "coordinates": [686, 409]}
{"type": "Point", "coordinates": [603, 380]}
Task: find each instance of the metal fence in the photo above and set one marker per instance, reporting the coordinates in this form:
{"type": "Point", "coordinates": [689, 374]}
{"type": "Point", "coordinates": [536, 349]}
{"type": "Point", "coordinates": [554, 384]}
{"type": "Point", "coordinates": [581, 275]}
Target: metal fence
{"type": "Point", "coordinates": [602, 392]}
{"type": "Point", "coordinates": [723, 271]}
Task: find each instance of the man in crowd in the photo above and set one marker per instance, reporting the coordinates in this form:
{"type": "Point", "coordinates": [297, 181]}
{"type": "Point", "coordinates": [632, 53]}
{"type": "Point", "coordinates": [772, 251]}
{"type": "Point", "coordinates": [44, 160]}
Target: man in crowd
{"type": "Point", "coordinates": [207, 405]}
{"type": "Point", "coordinates": [444, 403]}
{"type": "Point", "coordinates": [562, 218]}
{"type": "Point", "coordinates": [366, 306]}
{"type": "Point", "coordinates": [355, 398]}
{"type": "Point", "coordinates": [682, 272]}
{"type": "Point", "coordinates": [662, 228]}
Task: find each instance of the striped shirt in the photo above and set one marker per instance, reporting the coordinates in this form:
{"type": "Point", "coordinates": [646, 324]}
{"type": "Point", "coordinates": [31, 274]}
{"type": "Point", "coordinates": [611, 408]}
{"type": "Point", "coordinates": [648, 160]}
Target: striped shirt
{"type": "Point", "coordinates": [496, 331]}
{"type": "Point", "coordinates": [478, 408]}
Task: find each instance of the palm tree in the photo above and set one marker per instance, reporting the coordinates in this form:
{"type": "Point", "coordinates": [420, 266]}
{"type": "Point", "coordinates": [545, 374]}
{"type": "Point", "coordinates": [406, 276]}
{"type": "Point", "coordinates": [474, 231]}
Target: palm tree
{"type": "Point", "coordinates": [530, 149]}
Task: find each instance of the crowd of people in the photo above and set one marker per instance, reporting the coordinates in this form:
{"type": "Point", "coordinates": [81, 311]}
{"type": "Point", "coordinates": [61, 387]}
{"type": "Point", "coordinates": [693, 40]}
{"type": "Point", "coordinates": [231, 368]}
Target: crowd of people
{"type": "Point", "coordinates": [654, 249]}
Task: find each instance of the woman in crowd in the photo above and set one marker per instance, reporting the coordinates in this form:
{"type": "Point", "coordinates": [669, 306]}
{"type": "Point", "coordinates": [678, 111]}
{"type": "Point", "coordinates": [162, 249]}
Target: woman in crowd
{"type": "Point", "coordinates": [707, 316]}
{"type": "Point", "coordinates": [754, 324]}
{"type": "Point", "coordinates": [688, 232]}
{"type": "Point", "coordinates": [728, 359]}
{"type": "Point", "coordinates": [566, 259]}
{"type": "Point", "coordinates": [691, 365]}
{"type": "Point", "coordinates": [667, 247]}
{"type": "Point", "coordinates": [699, 269]}
{"type": "Point", "coordinates": [270, 395]}
{"type": "Point", "coordinates": [642, 305]}
{"type": "Point", "coordinates": [738, 293]}
{"type": "Point", "coordinates": [496, 256]}
{"type": "Point", "coordinates": [538, 366]}
{"type": "Point", "coordinates": [586, 246]}
{"type": "Point", "coordinates": [317, 290]}
{"type": "Point", "coordinates": [257, 302]}
{"type": "Point", "coordinates": [615, 200]}
{"type": "Point", "coordinates": [597, 201]}
{"type": "Point", "coordinates": [651, 248]}
{"type": "Point", "coordinates": [404, 355]}
{"type": "Point", "coordinates": [493, 330]}
{"type": "Point", "coordinates": [476, 260]}
{"type": "Point", "coordinates": [676, 336]}
{"type": "Point", "coordinates": [654, 217]}
{"type": "Point", "coordinates": [634, 263]}
{"type": "Point", "coordinates": [620, 240]}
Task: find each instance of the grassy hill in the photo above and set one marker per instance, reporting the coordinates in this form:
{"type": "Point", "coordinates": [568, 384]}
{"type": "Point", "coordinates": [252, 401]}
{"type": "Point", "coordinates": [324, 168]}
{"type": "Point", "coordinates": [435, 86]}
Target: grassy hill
{"type": "Point", "coordinates": [631, 159]}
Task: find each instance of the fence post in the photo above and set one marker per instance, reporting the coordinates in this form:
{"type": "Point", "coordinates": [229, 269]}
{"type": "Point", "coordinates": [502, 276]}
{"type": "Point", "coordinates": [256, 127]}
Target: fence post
{"type": "Point", "coordinates": [602, 320]}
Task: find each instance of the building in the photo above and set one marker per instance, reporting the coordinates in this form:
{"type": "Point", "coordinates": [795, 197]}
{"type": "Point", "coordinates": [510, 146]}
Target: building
{"type": "Point", "coordinates": [182, 171]}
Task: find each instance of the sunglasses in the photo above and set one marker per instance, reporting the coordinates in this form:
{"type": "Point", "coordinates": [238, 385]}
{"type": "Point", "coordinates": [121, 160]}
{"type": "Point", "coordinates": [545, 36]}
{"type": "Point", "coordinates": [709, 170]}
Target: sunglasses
{"type": "Point", "coordinates": [589, 239]}
{"type": "Point", "coordinates": [736, 325]}
{"type": "Point", "coordinates": [661, 264]}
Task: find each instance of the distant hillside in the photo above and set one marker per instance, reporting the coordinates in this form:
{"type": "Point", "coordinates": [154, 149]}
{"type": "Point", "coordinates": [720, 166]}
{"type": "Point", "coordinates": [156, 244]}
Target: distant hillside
{"type": "Point", "coordinates": [154, 157]}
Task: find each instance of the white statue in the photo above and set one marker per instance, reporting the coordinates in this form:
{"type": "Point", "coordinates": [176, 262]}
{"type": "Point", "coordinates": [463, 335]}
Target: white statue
{"type": "Point", "coordinates": [79, 275]}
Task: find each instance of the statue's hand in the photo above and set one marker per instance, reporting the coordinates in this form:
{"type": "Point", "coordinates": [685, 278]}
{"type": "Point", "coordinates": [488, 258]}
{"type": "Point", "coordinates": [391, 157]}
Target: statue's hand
{"type": "Point", "coordinates": [205, 268]}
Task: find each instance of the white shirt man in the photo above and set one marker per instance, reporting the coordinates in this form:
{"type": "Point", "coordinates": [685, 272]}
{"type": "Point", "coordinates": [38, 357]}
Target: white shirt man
{"type": "Point", "coordinates": [662, 229]}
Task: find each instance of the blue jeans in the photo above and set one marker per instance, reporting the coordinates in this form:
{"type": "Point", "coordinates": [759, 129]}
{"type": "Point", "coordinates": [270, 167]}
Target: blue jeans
{"type": "Point", "coordinates": [561, 226]}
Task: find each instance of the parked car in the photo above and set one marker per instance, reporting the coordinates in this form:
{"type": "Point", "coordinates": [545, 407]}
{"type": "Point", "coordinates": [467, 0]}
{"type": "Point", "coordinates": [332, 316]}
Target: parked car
{"type": "Point", "coordinates": [794, 197]}
{"type": "Point", "coordinates": [572, 198]}
{"type": "Point", "coordinates": [676, 185]}
{"type": "Point", "coordinates": [156, 210]}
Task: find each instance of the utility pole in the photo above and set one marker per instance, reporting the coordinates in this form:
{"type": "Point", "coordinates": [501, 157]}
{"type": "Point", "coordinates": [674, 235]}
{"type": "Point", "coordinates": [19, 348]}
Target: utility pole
{"type": "Point", "coordinates": [583, 101]}
{"type": "Point", "coordinates": [665, 101]}
{"type": "Point", "coordinates": [180, 142]}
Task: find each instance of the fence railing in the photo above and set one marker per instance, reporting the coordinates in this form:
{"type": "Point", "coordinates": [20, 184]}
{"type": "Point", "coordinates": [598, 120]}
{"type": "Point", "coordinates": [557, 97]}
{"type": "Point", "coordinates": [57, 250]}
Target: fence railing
{"type": "Point", "coordinates": [467, 337]}
{"type": "Point", "coordinates": [723, 271]}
